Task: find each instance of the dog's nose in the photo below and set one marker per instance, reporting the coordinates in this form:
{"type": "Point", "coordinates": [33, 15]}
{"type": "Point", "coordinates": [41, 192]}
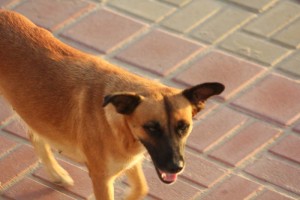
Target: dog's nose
{"type": "Point", "coordinates": [175, 167]}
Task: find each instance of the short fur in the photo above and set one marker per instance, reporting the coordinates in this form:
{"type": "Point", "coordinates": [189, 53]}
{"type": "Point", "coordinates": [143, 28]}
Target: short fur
{"type": "Point", "coordinates": [92, 111]}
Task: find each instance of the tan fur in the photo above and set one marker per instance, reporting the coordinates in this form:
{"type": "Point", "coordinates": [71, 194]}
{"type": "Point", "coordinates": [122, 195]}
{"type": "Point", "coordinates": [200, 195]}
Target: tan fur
{"type": "Point", "coordinates": [58, 91]}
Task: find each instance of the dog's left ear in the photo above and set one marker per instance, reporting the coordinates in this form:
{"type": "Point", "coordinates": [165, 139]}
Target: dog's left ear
{"type": "Point", "coordinates": [125, 103]}
{"type": "Point", "coordinates": [198, 94]}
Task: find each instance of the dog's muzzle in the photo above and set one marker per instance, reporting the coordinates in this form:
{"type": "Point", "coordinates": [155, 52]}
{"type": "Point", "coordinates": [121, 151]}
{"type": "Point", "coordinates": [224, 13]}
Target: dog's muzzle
{"type": "Point", "coordinates": [170, 175]}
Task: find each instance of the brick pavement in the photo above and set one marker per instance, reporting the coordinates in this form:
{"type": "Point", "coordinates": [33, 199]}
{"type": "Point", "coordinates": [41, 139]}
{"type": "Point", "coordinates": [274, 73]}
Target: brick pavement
{"type": "Point", "coordinates": [245, 145]}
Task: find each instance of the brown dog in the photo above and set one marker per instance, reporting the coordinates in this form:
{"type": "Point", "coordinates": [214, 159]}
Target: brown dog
{"type": "Point", "coordinates": [92, 111]}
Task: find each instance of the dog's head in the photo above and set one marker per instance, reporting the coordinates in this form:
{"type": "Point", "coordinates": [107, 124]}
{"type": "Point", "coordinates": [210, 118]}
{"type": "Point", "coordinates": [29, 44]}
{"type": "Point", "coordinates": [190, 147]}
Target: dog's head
{"type": "Point", "coordinates": [162, 122]}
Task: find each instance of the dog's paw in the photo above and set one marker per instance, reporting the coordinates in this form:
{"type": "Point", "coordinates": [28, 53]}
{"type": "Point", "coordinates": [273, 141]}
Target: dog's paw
{"type": "Point", "coordinates": [62, 178]}
{"type": "Point", "coordinates": [64, 181]}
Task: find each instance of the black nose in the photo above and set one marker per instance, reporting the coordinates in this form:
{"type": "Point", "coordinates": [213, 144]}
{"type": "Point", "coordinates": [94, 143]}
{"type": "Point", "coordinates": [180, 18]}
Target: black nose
{"type": "Point", "coordinates": [175, 167]}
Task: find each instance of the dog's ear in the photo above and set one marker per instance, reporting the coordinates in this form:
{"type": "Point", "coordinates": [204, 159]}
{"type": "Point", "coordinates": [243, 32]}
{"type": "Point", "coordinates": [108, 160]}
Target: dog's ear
{"type": "Point", "coordinates": [198, 94]}
{"type": "Point", "coordinates": [125, 103]}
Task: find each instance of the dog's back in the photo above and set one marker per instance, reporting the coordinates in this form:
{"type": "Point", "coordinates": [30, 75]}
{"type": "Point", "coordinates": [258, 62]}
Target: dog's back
{"type": "Point", "coordinates": [17, 32]}
{"type": "Point", "coordinates": [31, 56]}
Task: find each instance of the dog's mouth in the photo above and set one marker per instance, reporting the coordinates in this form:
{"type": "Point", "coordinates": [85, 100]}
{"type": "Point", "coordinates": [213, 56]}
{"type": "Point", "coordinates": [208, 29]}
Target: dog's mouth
{"type": "Point", "coordinates": [166, 177]}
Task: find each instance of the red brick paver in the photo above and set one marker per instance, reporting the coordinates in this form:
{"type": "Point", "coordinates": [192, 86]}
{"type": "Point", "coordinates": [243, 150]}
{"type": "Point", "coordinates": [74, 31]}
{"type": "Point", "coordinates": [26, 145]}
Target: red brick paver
{"type": "Point", "coordinates": [276, 172]}
{"type": "Point", "coordinates": [52, 14]}
{"type": "Point", "coordinates": [16, 128]}
{"type": "Point", "coordinates": [275, 98]}
{"type": "Point", "coordinates": [16, 164]}
{"type": "Point", "coordinates": [6, 3]}
{"type": "Point", "coordinates": [216, 66]}
{"type": "Point", "coordinates": [28, 189]}
{"type": "Point", "coordinates": [233, 188]}
{"type": "Point", "coordinates": [202, 171]}
{"type": "Point", "coordinates": [155, 52]}
{"type": "Point", "coordinates": [270, 195]}
{"type": "Point", "coordinates": [244, 145]}
{"type": "Point", "coordinates": [297, 128]}
{"type": "Point", "coordinates": [6, 145]}
{"type": "Point", "coordinates": [214, 128]}
{"type": "Point", "coordinates": [289, 148]}
{"type": "Point", "coordinates": [100, 24]}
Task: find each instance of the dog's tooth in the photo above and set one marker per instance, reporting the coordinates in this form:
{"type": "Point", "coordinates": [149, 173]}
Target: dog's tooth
{"type": "Point", "coordinates": [163, 175]}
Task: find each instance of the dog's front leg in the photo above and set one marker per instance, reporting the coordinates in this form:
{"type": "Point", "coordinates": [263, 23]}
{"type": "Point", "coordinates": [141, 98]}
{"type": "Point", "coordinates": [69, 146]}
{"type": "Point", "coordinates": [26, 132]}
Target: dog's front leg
{"type": "Point", "coordinates": [56, 172]}
{"type": "Point", "coordinates": [103, 185]}
{"type": "Point", "coordinates": [137, 182]}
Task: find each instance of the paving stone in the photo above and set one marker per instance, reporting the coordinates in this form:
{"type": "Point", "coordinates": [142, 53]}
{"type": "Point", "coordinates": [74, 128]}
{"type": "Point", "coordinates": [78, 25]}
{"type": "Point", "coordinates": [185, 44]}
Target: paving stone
{"type": "Point", "coordinates": [214, 128]}
{"type": "Point", "coordinates": [147, 9]}
{"type": "Point", "coordinates": [201, 171]}
{"type": "Point", "coordinates": [221, 25]}
{"type": "Point", "coordinates": [288, 148]}
{"type": "Point", "coordinates": [6, 3]}
{"type": "Point", "coordinates": [191, 15]}
{"type": "Point", "coordinates": [290, 35]}
{"type": "Point", "coordinates": [276, 172]}
{"type": "Point", "coordinates": [177, 2]}
{"type": "Point", "coordinates": [17, 129]}
{"type": "Point", "coordinates": [5, 110]}
{"type": "Point", "coordinates": [270, 195]}
{"type": "Point", "coordinates": [233, 72]}
{"type": "Point", "coordinates": [105, 30]}
{"type": "Point", "coordinates": [6, 144]}
{"type": "Point", "coordinates": [245, 143]}
{"type": "Point", "coordinates": [179, 190]}
{"type": "Point", "coordinates": [82, 183]}
{"type": "Point", "coordinates": [256, 5]}
{"type": "Point", "coordinates": [159, 52]}
{"type": "Point", "coordinates": [291, 64]}
{"type": "Point", "coordinates": [275, 19]}
{"type": "Point", "coordinates": [276, 98]}
{"type": "Point", "coordinates": [233, 188]}
{"type": "Point", "coordinates": [297, 128]}
{"type": "Point", "coordinates": [17, 163]}
{"type": "Point", "coordinates": [28, 189]}
{"type": "Point", "coordinates": [254, 48]}
{"type": "Point", "coordinates": [52, 14]}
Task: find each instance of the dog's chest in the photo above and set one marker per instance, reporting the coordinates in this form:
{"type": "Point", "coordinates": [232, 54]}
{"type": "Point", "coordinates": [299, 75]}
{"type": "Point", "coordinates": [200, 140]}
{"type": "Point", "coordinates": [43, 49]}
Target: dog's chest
{"type": "Point", "coordinates": [118, 165]}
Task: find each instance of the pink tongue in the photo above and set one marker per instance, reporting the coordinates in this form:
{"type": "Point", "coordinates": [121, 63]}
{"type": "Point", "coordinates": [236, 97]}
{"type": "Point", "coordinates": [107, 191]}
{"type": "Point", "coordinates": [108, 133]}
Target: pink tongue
{"type": "Point", "coordinates": [168, 177]}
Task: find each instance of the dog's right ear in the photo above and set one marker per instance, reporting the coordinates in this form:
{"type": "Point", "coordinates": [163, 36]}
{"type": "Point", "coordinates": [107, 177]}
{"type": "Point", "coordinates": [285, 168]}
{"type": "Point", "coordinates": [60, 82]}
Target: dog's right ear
{"type": "Point", "coordinates": [125, 103]}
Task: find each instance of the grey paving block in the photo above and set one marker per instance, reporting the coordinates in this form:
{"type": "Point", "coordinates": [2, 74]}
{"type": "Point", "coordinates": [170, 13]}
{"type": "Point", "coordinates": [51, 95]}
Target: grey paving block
{"type": "Point", "coordinates": [221, 24]}
{"type": "Point", "coordinates": [177, 2]}
{"type": "Point", "coordinates": [147, 9]}
{"type": "Point", "coordinates": [290, 35]}
{"type": "Point", "coordinates": [254, 48]}
{"type": "Point", "coordinates": [255, 5]}
{"type": "Point", "coordinates": [191, 15]}
{"type": "Point", "coordinates": [292, 64]}
{"type": "Point", "coordinates": [275, 19]}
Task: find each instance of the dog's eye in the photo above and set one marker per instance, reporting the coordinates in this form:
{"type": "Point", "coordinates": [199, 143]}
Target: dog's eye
{"type": "Point", "coordinates": [182, 127]}
{"type": "Point", "coordinates": [153, 128]}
